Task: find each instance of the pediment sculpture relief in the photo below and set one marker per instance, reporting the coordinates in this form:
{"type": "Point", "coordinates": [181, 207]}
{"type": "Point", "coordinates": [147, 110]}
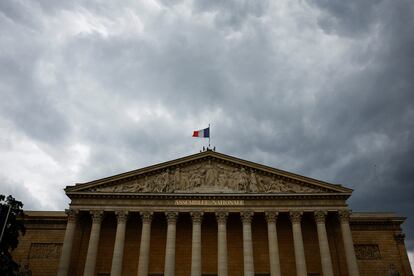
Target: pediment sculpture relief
{"type": "Point", "coordinates": [209, 177]}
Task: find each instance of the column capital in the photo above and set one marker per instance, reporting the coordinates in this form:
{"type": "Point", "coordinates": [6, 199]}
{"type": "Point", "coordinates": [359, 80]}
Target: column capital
{"type": "Point", "coordinates": [146, 217]}
{"type": "Point", "coordinates": [72, 214]}
{"type": "Point", "coordinates": [221, 216]}
{"type": "Point", "coordinates": [171, 217]}
{"type": "Point", "coordinates": [247, 216]}
{"type": "Point", "coordinates": [399, 237]}
{"type": "Point", "coordinates": [271, 216]}
{"type": "Point", "coordinates": [295, 216]}
{"type": "Point", "coordinates": [320, 216]}
{"type": "Point", "coordinates": [344, 215]}
{"type": "Point", "coordinates": [97, 216]}
{"type": "Point", "coordinates": [122, 216]}
{"type": "Point", "coordinates": [197, 216]}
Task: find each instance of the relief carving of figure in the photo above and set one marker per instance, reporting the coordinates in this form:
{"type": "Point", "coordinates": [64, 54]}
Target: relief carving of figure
{"type": "Point", "coordinates": [166, 185]}
{"type": "Point", "coordinates": [161, 182]}
{"type": "Point", "coordinates": [133, 187]}
{"type": "Point", "coordinates": [195, 180]}
{"type": "Point", "coordinates": [279, 186]}
{"type": "Point", "coordinates": [211, 175]}
{"type": "Point", "coordinates": [242, 181]}
{"type": "Point", "coordinates": [282, 186]}
{"type": "Point", "coordinates": [253, 182]}
{"type": "Point", "coordinates": [222, 181]}
{"type": "Point", "coordinates": [223, 177]}
{"type": "Point", "coordinates": [177, 179]}
{"type": "Point", "coordinates": [263, 182]}
{"type": "Point", "coordinates": [185, 182]}
{"type": "Point", "coordinates": [305, 189]}
{"type": "Point", "coordinates": [232, 180]}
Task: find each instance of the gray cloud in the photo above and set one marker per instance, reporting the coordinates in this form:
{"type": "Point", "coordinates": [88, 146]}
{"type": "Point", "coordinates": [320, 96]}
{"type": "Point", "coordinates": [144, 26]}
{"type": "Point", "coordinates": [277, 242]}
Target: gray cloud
{"type": "Point", "coordinates": [320, 88]}
{"type": "Point", "coordinates": [18, 191]}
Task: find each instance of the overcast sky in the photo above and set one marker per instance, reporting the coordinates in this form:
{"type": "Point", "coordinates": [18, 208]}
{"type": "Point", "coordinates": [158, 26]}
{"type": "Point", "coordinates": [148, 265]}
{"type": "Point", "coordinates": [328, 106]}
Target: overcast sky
{"type": "Point", "coordinates": [322, 88]}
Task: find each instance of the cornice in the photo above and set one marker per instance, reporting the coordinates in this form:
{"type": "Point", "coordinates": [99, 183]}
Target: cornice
{"type": "Point", "coordinates": [238, 196]}
{"type": "Point", "coordinates": [370, 221]}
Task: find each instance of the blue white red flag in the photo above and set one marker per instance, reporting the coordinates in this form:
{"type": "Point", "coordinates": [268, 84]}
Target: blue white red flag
{"type": "Point", "coordinates": [202, 133]}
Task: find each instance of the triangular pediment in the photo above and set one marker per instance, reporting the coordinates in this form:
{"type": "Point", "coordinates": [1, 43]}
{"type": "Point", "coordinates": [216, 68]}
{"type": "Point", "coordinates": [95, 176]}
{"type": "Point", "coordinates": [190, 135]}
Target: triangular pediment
{"type": "Point", "coordinates": [205, 173]}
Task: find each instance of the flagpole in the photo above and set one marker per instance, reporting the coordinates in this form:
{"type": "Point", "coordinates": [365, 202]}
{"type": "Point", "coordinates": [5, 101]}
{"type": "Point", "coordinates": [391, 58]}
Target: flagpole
{"type": "Point", "coordinates": [5, 223]}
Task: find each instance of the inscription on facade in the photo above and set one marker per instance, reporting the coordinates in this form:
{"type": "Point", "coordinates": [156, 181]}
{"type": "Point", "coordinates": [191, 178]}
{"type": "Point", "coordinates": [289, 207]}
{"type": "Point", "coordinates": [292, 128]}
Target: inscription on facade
{"type": "Point", "coordinates": [367, 251]}
{"type": "Point", "coordinates": [45, 250]}
{"type": "Point", "coordinates": [210, 202]}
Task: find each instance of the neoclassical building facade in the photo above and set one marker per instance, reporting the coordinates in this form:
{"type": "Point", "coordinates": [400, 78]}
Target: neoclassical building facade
{"type": "Point", "coordinates": [211, 214]}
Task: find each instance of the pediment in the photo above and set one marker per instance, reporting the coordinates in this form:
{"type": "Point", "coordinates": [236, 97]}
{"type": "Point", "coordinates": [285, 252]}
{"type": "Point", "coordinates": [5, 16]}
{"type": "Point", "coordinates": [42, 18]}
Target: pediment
{"type": "Point", "coordinates": [206, 173]}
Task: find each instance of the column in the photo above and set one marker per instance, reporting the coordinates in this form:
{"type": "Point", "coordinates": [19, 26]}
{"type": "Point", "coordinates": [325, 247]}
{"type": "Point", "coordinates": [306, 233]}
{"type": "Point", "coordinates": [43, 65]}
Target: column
{"type": "Point", "coordinates": [300, 261]}
{"type": "Point", "coordinates": [196, 244]}
{"type": "Point", "coordinates": [274, 260]}
{"type": "Point", "coordinates": [399, 239]}
{"type": "Point", "coordinates": [169, 269]}
{"type": "Point", "coordinates": [64, 262]}
{"type": "Point", "coordinates": [323, 243]}
{"type": "Point", "coordinates": [246, 217]}
{"type": "Point", "coordinates": [222, 243]}
{"type": "Point", "coordinates": [144, 247]}
{"type": "Point", "coordinates": [116, 268]}
{"type": "Point", "coordinates": [93, 244]}
{"type": "Point", "coordinates": [348, 243]}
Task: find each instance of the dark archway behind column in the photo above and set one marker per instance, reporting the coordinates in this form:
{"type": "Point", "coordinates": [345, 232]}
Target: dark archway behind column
{"type": "Point", "coordinates": [260, 245]}
{"type": "Point", "coordinates": [158, 240]}
{"type": "Point", "coordinates": [209, 244]}
{"type": "Point", "coordinates": [132, 244]}
{"type": "Point", "coordinates": [235, 244]}
{"type": "Point", "coordinates": [183, 245]}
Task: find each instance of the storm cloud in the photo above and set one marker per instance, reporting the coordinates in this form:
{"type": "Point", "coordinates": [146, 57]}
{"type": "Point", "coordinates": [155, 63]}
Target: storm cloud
{"type": "Point", "coordinates": [320, 88]}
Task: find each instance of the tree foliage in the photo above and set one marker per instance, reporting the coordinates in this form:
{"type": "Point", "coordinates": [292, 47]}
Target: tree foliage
{"type": "Point", "coordinates": [13, 228]}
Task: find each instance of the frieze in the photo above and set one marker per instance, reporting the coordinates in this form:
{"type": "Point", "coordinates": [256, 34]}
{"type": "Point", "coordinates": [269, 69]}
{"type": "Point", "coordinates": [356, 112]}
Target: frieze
{"type": "Point", "coordinates": [367, 251]}
{"type": "Point", "coordinates": [209, 177]}
{"type": "Point", "coordinates": [45, 250]}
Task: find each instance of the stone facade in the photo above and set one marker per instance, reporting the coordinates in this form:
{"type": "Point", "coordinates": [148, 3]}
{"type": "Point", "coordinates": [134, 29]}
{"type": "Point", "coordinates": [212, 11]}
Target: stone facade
{"type": "Point", "coordinates": [211, 214]}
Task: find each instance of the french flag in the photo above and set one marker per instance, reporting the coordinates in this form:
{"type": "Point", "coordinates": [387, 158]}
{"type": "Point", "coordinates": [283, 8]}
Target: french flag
{"type": "Point", "coordinates": [202, 133]}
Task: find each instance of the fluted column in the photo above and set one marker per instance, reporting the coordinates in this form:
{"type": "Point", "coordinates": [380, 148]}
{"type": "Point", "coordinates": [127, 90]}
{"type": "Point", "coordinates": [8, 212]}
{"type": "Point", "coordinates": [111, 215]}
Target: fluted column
{"type": "Point", "coordinates": [144, 247]}
{"type": "Point", "coordinates": [116, 268]}
{"type": "Point", "coordinates": [169, 269]}
{"type": "Point", "coordinates": [300, 261]}
{"type": "Point", "coordinates": [64, 262]}
{"type": "Point", "coordinates": [196, 244]}
{"type": "Point", "coordinates": [93, 244]}
{"type": "Point", "coordinates": [246, 217]}
{"type": "Point", "coordinates": [274, 259]}
{"type": "Point", "coordinates": [399, 238]}
{"type": "Point", "coordinates": [323, 243]}
{"type": "Point", "coordinates": [348, 243]}
{"type": "Point", "coordinates": [222, 243]}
